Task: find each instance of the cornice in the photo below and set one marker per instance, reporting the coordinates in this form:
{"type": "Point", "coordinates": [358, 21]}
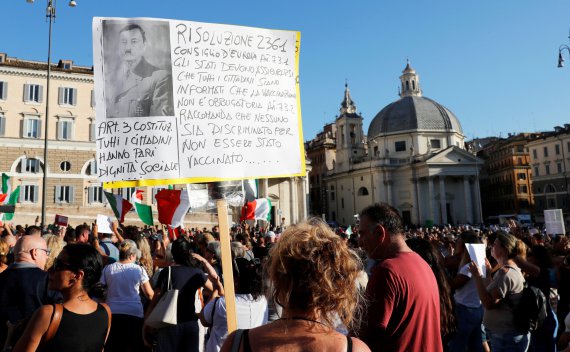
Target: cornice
{"type": "Point", "coordinates": [76, 77]}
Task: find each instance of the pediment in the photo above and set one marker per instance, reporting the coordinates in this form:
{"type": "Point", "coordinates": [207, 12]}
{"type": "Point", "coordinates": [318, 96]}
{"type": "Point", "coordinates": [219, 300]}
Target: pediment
{"type": "Point", "coordinates": [454, 155]}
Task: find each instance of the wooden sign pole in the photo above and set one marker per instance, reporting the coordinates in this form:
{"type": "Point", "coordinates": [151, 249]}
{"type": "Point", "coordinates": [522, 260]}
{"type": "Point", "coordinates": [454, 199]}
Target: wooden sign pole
{"type": "Point", "coordinates": [227, 265]}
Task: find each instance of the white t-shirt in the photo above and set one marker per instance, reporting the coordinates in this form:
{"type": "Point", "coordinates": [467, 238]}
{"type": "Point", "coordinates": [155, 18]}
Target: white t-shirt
{"type": "Point", "coordinates": [467, 295]}
{"type": "Point", "coordinates": [250, 314]}
{"type": "Point", "coordinates": [123, 282]}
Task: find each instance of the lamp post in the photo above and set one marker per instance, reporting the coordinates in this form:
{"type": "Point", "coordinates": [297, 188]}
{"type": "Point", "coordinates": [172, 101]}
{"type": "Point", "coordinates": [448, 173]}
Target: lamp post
{"type": "Point", "coordinates": [560, 50]}
{"type": "Point", "coordinates": [50, 15]}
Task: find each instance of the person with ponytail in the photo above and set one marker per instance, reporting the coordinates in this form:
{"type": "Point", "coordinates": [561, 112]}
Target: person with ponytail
{"type": "Point", "coordinates": [499, 292]}
{"type": "Point", "coordinates": [83, 324]}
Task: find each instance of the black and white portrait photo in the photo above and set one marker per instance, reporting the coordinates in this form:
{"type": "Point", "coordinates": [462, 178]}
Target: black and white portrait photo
{"type": "Point", "coordinates": [137, 68]}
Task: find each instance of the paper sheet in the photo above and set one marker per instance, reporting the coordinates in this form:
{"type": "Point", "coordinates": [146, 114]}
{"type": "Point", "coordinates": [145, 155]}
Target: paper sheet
{"type": "Point", "coordinates": [477, 254]}
{"type": "Point", "coordinates": [104, 224]}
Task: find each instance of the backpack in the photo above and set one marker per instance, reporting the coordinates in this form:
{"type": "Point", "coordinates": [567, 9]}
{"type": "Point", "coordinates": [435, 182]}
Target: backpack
{"type": "Point", "coordinates": [531, 311]}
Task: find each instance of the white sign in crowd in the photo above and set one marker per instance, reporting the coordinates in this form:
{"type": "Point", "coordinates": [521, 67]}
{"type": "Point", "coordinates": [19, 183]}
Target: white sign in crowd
{"type": "Point", "coordinates": [186, 102]}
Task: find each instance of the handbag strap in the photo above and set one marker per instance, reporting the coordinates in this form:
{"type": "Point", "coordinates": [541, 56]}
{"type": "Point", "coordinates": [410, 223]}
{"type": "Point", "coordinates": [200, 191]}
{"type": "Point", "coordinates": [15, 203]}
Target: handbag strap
{"type": "Point", "coordinates": [168, 286]}
{"type": "Point", "coordinates": [109, 317]}
{"type": "Point", "coordinates": [54, 323]}
{"type": "Point", "coordinates": [237, 340]}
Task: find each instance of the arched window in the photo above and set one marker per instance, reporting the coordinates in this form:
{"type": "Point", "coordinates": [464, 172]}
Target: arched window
{"type": "Point", "coordinates": [363, 191]}
{"type": "Point", "coordinates": [413, 84]}
{"type": "Point", "coordinates": [407, 86]}
{"type": "Point", "coordinates": [550, 189]}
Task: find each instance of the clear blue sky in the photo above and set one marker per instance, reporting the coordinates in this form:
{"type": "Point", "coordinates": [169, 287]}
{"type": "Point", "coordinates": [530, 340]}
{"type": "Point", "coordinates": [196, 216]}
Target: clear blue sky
{"type": "Point", "coordinates": [493, 63]}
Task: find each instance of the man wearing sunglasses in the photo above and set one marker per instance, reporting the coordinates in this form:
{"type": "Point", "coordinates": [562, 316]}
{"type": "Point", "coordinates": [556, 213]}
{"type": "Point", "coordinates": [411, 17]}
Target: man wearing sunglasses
{"type": "Point", "coordinates": [23, 286]}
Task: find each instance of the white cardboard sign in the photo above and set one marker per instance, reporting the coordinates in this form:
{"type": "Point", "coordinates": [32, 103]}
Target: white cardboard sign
{"type": "Point", "coordinates": [477, 254]}
{"type": "Point", "coordinates": [554, 222]}
{"type": "Point", "coordinates": [104, 224]}
{"type": "Point", "coordinates": [195, 102]}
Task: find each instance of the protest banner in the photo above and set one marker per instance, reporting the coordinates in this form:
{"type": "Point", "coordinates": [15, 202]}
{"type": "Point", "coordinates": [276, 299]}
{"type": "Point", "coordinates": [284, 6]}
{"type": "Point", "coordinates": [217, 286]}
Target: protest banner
{"type": "Point", "coordinates": [61, 220]}
{"type": "Point", "coordinates": [554, 222]}
{"type": "Point", "coordinates": [190, 102]}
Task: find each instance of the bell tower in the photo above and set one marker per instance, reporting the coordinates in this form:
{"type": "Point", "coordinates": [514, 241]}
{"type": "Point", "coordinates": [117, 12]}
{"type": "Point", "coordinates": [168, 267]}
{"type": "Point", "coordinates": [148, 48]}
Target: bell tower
{"type": "Point", "coordinates": [349, 133]}
{"type": "Point", "coordinates": [410, 82]}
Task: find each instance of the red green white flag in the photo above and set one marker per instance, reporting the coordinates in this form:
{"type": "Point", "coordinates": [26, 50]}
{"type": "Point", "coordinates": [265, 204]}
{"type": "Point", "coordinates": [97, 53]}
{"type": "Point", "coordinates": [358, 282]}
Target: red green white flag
{"type": "Point", "coordinates": [172, 204]}
{"type": "Point", "coordinates": [259, 209]}
{"type": "Point", "coordinates": [119, 205]}
{"type": "Point", "coordinates": [143, 211]}
{"type": "Point", "coordinates": [5, 188]}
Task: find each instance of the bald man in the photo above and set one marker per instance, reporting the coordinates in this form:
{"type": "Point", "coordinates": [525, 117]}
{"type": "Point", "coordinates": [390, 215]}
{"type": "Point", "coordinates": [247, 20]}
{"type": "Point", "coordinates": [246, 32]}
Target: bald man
{"type": "Point", "coordinates": [24, 285]}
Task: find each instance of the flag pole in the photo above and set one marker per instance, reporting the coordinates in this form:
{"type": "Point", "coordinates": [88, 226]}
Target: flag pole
{"type": "Point", "coordinates": [222, 206]}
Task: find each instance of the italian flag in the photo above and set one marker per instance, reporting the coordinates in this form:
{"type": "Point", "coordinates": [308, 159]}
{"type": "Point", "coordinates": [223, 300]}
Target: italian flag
{"type": "Point", "coordinates": [172, 204]}
{"type": "Point", "coordinates": [259, 209]}
{"type": "Point", "coordinates": [119, 205]}
{"type": "Point", "coordinates": [143, 211]}
{"type": "Point", "coordinates": [12, 202]}
{"type": "Point", "coordinates": [5, 188]}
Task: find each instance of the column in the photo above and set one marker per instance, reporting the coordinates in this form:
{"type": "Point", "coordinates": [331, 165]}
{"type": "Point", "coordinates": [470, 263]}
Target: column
{"type": "Point", "coordinates": [304, 195]}
{"type": "Point", "coordinates": [430, 199]}
{"type": "Point", "coordinates": [291, 202]}
{"type": "Point", "coordinates": [442, 200]}
{"type": "Point", "coordinates": [467, 197]}
{"type": "Point", "coordinates": [266, 187]}
{"type": "Point", "coordinates": [294, 213]}
{"type": "Point", "coordinates": [416, 182]}
{"type": "Point", "coordinates": [478, 202]}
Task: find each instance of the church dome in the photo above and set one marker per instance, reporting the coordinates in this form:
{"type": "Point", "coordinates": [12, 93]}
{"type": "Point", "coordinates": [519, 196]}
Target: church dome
{"type": "Point", "coordinates": [413, 111]}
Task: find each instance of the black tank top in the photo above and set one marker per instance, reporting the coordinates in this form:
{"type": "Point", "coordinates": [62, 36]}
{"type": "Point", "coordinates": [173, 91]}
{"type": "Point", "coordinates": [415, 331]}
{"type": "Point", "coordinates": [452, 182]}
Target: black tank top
{"type": "Point", "coordinates": [80, 332]}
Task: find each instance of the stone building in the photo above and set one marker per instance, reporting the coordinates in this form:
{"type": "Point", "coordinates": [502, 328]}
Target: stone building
{"type": "Point", "coordinates": [72, 185]}
{"type": "Point", "coordinates": [413, 157]}
{"type": "Point", "coordinates": [506, 176]}
{"type": "Point", "coordinates": [550, 162]}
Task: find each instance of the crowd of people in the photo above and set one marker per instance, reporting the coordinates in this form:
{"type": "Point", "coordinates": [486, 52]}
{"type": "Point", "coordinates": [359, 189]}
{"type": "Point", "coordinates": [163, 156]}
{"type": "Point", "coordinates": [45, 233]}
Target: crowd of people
{"type": "Point", "coordinates": [379, 287]}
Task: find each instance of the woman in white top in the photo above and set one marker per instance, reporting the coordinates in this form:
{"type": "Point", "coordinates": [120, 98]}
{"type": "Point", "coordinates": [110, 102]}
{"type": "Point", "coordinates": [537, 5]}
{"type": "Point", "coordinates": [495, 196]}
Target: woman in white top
{"type": "Point", "coordinates": [251, 305]}
{"type": "Point", "coordinates": [468, 308]}
{"type": "Point", "coordinates": [124, 279]}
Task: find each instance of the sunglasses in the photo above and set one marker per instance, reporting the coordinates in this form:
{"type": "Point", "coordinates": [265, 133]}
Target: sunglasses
{"type": "Point", "coordinates": [59, 265]}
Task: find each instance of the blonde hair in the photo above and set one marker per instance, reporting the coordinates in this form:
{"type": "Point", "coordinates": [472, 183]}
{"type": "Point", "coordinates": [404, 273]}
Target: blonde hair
{"type": "Point", "coordinates": [4, 249]}
{"type": "Point", "coordinates": [311, 269]}
{"type": "Point", "coordinates": [146, 257]}
{"type": "Point", "coordinates": [55, 244]}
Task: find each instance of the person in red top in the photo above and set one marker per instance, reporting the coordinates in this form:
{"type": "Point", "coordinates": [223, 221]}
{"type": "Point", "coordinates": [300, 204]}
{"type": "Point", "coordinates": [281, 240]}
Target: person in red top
{"type": "Point", "coordinates": [403, 311]}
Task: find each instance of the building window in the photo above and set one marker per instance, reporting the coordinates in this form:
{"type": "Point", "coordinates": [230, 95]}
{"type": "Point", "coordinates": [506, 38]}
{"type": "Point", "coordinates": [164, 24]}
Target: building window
{"type": "Point", "coordinates": [520, 148]}
{"type": "Point", "coordinates": [67, 96]}
{"type": "Point", "coordinates": [559, 167]}
{"type": "Point", "coordinates": [536, 171]}
{"type": "Point", "coordinates": [342, 203]}
{"type": "Point", "coordinates": [557, 149]}
{"type": "Point", "coordinates": [400, 146]}
{"type": "Point", "coordinates": [65, 166]}
{"type": "Point", "coordinates": [523, 189]}
{"type": "Point", "coordinates": [126, 192]}
{"type": "Point", "coordinates": [32, 127]}
{"type": "Point", "coordinates": [31, 165]}
{"type": "Point", "coordinates": [3, 90]}
{"type": "Point", "coordinates": [92, 168]}
{"type": "Point", "coordinates": [534, 154]}
{"type": "Point", "coordinates": [332, 196]}
{"type": "Point", "coordinates": [551, 203]}
{"type": "Point", "coordinates": [568, 146]}
{"type": "Point", "coordinates": [95, 195]}
{"type": "Point", "coordinates": [92, 98]}
{"type": "Point", "coordinates": [2, 124]}
{"type": "Point", "coordinates": [435, 143]}
{"type": "Point", "coordinates": [521, 176]}
{"type": "Point", "coordinates": [63, 194]}
{"type": "Point", "coordinates": [363, 191]}
{"type": "Point", "coordinates": [33, 93]}
{"type": "Point", "coordinates": [545, 151]}
{"type": "Point", "coordinates": [547, 169]}
{"type": "Point", "coordinates": [65, 129]}
{"type": "Point", "coordinates": [29, 194]}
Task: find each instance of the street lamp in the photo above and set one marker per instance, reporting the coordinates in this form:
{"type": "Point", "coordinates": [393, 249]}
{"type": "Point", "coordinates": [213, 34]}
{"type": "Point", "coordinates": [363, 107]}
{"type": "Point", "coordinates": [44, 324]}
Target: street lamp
{"type": "Point", "coordinates": [560, 50]}
{"type": "Point", "coordinates": [50, 15]}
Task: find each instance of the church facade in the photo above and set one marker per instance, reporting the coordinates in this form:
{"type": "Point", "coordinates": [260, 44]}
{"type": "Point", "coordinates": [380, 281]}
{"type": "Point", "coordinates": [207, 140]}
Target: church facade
{"type": "Point", "coordinates": [413, 157]}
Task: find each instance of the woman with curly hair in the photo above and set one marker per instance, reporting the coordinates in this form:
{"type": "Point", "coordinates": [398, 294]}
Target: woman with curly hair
{"type": "Point", "coordinates": [313, 277]}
